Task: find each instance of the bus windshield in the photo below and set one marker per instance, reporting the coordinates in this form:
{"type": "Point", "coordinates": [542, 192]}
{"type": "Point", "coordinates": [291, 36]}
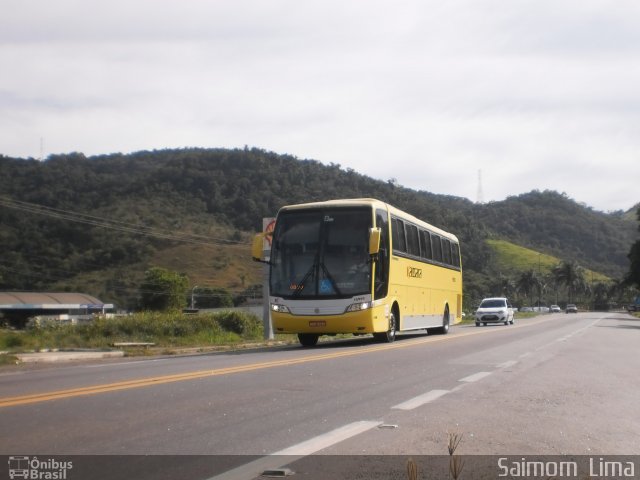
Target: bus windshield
{"type": "Point", "coordinates": [321, 253]}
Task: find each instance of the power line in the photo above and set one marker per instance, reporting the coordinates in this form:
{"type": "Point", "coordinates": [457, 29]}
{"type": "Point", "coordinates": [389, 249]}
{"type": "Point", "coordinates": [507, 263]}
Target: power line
{"type": "Point", "coordinates": [113, 224]}
{"type": "Point", "coordinates": [54, 273]}
{"type": "Point", "coordinates": [57, 274]}
{"type": "Point", "coordinates": [130, 290]}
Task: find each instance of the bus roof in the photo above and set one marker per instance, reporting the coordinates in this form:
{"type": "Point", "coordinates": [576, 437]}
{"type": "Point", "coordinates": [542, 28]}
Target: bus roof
{"type": "Point", "coordinates": [359, 202]}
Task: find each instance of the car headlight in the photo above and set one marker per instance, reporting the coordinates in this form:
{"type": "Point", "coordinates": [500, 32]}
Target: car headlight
{"type": "Point", "coordinates": [280, 308]}
{"type": "Point", "coordinates": [357, 307]}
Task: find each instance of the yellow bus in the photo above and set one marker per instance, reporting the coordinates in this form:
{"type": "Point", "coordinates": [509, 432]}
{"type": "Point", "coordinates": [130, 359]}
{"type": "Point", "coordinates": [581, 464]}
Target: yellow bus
{"type": "Point", "coordinates": [360, 266]}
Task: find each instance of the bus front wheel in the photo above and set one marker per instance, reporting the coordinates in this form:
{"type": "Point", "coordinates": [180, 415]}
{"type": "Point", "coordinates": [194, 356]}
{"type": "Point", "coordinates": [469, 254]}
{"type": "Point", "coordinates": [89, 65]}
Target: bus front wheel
{"type": "Point", "coordinates": [308, 339]}
{"type": "Point", "coordinates": [390, 335]}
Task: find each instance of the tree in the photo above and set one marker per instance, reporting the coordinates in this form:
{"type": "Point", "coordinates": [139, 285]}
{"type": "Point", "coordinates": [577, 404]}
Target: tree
{"type": "Point", "coordinates": [601, 295]}
{"type": "Point", "coordinates": [571, 275]}
{"type": "Point", "coordinates": [163, 289]}
{"type": "Point", "coordinates": [503, 286]}
{"type": "Point", "coordinates": [633, 276]}
{"type": "Point", "coordinates": [207, 297]}
{"type": "Point", "coordinates": [528, 282]}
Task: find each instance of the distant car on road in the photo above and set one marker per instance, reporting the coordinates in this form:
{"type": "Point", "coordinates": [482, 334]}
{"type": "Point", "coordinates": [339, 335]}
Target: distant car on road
{"type": "Point", "coordinates": [635, 306]}
{"type": "Point", "coordinates": [494, 310]}
{"type": "Point", "coordinates": [541, 309]}
{"type": "Point", "coordinates": [571, 308]}
{"type": "Point", "coordinates": [555, 309]}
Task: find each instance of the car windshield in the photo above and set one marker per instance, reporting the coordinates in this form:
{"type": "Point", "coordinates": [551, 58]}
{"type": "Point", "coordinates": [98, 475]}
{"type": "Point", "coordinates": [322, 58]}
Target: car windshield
{"type": "Point", "coordinates": [321, 253]}
{"type": "Point", "coordinates": [493, 303]}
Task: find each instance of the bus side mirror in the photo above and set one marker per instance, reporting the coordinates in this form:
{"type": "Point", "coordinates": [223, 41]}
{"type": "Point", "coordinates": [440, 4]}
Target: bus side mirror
{"type": "Point", "coordinates": [374, 240]}
{"type": "Point", "coordinates": [257, 252]}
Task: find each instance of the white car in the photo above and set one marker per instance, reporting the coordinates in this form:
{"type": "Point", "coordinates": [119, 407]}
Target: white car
{"type": "Point", "coordinates": [494, 310]}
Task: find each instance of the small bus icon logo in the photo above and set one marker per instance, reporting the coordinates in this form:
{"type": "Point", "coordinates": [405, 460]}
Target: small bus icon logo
{"type": "Point", "coordinates": [18, 467]}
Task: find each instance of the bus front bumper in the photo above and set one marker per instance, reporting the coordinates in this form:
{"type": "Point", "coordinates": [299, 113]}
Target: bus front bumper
{"type": "Point", "coordinates": [365, 321]}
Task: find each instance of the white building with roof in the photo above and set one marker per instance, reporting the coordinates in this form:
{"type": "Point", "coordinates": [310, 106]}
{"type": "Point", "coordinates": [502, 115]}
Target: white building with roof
{"type": "Point", "coordinates": [18, 307]}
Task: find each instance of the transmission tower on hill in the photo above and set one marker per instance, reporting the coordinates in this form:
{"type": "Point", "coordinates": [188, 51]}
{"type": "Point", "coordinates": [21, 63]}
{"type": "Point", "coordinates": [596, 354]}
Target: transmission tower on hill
{"type": "Point", "coordinates": [480, 195]}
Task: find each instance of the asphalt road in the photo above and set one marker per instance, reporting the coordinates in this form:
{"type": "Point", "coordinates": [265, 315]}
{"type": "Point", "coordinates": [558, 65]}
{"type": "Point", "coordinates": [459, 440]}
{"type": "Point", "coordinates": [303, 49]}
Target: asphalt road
{"type": "Point", "coordinates": [554, 384]}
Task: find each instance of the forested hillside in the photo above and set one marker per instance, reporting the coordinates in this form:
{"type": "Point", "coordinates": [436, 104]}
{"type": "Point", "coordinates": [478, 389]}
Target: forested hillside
{"type": "Point", "coordinates": [107, 219]}
{"type": "Point", "coordinates": [553, 223]}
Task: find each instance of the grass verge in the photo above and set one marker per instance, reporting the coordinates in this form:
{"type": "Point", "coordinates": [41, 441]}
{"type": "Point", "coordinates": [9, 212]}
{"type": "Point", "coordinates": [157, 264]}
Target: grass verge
{"type": "Point", "coordinates": [164, 330]}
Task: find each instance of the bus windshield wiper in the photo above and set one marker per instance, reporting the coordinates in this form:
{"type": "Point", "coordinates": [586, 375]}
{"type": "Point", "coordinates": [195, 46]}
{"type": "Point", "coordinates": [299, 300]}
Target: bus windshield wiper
{"type": "Point", "coordinates": [310, 272]}
{"type": "Point", "coordinates": [312, 269]}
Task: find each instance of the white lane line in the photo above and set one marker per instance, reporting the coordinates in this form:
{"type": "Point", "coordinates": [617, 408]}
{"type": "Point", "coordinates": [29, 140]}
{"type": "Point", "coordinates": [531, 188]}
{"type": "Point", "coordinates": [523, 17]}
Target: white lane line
{"type": "Point", "coordinates": [507, 364]}
{"type": "Point", "coordinates": [577, 332]}
{"type": "Point", "coordinates": [276, 460]}
{"type": "Point", "coordinates": [475, 377]}
{"type": "Point", "coordinates": [415, 402]}
{"type": "Point", "coordinates": [330, 438]}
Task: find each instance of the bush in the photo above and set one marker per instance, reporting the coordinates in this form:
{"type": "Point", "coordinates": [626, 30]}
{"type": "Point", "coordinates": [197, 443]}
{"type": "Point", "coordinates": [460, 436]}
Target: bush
{"type": "Point", "coordinates": [207, 297]}
{"type": "Point", "coordinates": [176, 327]}
{"type": "Point", "coordinates": [241, 323]}
{"type": "Point", "coordinates": [163, 329]}
{"type": "Point", "coordinates": [12, 340]}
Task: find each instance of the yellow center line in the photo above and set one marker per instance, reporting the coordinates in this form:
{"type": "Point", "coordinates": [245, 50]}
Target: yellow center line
{"type": "Point", "coordinates": [180, 377]}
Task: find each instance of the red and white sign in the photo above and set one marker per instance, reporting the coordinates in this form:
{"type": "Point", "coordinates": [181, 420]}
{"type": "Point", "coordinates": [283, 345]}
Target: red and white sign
{"type": "Point", "coordinates": [268, 225]}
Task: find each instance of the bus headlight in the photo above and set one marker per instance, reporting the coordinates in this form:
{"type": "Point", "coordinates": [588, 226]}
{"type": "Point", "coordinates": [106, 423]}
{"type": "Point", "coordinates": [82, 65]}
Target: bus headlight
{"type": "Point", "coordinates": [280, 308]}
{"type": "Point", "coordinates": [357, 307]}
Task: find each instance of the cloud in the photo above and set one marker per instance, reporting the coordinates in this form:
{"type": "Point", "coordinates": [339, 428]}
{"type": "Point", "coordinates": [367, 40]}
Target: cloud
{"type": "Point", "coordinates": [537, 94]}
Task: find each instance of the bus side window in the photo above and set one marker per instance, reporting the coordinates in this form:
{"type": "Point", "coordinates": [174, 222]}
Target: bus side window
{"type": "Point", "coordinates": [399, 239]}
{"type": "Point", "coordinates": [436, 246]}
{"type": "Point", "coordinates": [413, 244]}
{"type": "Point", "coordinates": [425, 245]}
{"type": "Point", "coordinates": [446, 251]}
{"type": "Point", "coordinates": [456, 254]}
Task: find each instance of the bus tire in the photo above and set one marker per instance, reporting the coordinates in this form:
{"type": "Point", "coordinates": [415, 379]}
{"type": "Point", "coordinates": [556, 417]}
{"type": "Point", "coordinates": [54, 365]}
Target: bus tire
{"type": "Point", "coordinates": [444, 329]}
{"type": "Point", "coordinates": [308, 339]}
{"type": "Point", "coordinates": [390, 335]}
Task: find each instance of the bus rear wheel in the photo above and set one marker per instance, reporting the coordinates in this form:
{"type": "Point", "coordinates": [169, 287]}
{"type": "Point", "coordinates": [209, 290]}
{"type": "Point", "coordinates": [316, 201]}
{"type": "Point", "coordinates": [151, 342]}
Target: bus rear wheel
{"type": "Point", "coordinates": [308, 339]}
{"type": "Point", "coordinates": [444, 329]}
{"type": "Point", "coordinates": [390, 335]}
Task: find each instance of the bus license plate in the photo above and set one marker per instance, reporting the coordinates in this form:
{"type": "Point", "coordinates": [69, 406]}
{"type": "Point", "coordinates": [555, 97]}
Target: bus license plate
{"type": "Point", "coordinates": [318, 323]}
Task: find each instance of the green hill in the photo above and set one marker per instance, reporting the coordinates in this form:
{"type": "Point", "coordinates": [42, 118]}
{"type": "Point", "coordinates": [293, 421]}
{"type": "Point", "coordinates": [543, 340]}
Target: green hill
{"type": "Point", "coordinates": [96, 224]}
{"type": "Point", "coordinates": [552, 223]}
{"type": "Point", "coordinates": [632, 214]}
{"type": "Point", "coordinates": [512, 260]}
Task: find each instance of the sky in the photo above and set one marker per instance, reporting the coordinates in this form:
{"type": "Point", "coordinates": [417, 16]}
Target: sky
{"type": "Point", "coordinates": [481, 99]}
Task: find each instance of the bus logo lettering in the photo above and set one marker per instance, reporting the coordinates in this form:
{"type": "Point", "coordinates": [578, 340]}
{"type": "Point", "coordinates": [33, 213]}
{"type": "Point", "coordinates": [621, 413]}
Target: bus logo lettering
{"type": "Point", "coordinates": [414, 272]}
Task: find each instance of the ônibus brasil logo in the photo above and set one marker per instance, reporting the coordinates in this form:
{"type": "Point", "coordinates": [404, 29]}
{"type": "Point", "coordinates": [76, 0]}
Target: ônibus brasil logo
{"type": "Point", "coordinates": [33, 468]}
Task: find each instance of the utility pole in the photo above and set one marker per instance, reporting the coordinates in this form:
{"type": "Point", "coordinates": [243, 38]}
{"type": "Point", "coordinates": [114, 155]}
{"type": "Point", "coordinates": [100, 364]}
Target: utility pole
{"type": "Point", "coordinates": [268, 224]}
{"type": "Point", "coordinates": [192, 299]}
{"type": "Point", "coordinates": [539, 282]}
